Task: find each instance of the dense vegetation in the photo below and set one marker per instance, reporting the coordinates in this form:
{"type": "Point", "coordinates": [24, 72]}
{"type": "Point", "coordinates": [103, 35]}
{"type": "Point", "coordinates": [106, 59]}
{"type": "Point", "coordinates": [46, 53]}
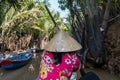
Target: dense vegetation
{"type": "Point", "coordinates": [26, 23]}
{"type": "Point", "coordinates": [90, 21]}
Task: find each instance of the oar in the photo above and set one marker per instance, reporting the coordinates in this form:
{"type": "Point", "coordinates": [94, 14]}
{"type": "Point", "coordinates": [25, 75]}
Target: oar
{"type": "Point", "coordinates": [56, 26]}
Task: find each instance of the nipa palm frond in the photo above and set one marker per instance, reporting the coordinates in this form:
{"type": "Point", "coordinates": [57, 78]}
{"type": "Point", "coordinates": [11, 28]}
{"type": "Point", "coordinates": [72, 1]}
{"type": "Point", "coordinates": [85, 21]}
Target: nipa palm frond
{"type": "Point", "coordinates": [25, 18]}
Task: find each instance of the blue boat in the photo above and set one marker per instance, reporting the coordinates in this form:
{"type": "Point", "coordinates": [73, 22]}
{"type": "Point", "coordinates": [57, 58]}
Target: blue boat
{"type": "Point", "coordinates": [17, 60]}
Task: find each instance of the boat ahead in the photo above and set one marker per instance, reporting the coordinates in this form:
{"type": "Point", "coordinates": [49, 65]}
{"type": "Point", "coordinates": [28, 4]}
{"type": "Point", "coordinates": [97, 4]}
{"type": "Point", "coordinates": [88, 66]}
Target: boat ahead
{"type": "Point", "coordinates": [17, 60]}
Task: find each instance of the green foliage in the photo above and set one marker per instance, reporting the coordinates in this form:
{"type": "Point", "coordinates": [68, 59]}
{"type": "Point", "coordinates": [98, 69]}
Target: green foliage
{"type": "Point", "coordinates": [65, 4]}
{"type": "Point", "coordinates": [3, 10]}
{"type": "Point", "coordinates": [29, 16]}
{"type": "Point", "coordinates": [115, 6]}
{"type": "Point", "coordinates": [21, 20]}
{"type": "Point", "coordinates": [16, 5]}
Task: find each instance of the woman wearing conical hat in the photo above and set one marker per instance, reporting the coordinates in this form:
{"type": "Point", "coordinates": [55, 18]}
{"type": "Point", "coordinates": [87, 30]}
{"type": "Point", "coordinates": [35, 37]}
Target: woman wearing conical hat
{"type": "Point", "coordinates": [59, 59]}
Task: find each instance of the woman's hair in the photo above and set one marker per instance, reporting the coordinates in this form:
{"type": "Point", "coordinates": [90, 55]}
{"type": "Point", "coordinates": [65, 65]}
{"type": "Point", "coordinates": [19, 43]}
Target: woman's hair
{"type": "Point", "coordinates": [57, 58]}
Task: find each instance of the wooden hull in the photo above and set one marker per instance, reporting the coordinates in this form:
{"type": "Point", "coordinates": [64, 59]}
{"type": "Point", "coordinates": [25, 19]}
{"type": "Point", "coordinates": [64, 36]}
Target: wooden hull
{"type": "Point", "coordinates": [16, 63]}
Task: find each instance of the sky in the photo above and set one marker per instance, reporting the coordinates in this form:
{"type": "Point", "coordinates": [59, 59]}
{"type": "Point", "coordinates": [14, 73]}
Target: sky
{"type": "Point", "coordinates": [55, 6]}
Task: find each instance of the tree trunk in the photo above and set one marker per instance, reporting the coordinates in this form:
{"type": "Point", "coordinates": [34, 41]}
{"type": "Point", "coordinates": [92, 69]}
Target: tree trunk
{"type": "Point", "coordinates": [106, 17]}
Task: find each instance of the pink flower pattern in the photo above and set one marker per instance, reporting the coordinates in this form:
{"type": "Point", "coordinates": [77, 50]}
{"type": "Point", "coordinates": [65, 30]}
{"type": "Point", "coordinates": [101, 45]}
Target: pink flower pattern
{"type": "Point", "coordinates": [62, 71]}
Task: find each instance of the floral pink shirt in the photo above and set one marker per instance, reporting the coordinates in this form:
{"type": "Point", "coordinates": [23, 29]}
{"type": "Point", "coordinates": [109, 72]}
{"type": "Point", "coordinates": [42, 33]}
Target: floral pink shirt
{"type": "Point", "coordinates": [62, 71]}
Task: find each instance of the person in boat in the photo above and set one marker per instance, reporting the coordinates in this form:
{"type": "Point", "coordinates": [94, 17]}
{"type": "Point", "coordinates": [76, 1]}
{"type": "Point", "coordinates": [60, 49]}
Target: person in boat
{"type": "Point", "coordinates": [60, 59]}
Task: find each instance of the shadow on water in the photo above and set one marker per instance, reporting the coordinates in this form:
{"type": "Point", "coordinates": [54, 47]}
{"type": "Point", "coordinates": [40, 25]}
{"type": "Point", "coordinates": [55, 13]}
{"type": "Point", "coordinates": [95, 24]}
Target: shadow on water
{"type": "Point", "coordinates": [104, 74]}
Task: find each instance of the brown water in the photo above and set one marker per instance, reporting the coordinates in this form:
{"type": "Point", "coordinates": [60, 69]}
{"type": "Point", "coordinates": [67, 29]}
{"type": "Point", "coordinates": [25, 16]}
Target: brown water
{"type": "Point", "coordinates": [30, 72]}
{"type": "Point", "coordinates": [104, 74]}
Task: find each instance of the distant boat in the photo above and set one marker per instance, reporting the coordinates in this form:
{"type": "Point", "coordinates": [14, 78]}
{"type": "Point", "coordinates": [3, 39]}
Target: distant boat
{"type": "Point", "coordinates": [16, 60]}
{"type": "Point", "coordinates": [36, 50]}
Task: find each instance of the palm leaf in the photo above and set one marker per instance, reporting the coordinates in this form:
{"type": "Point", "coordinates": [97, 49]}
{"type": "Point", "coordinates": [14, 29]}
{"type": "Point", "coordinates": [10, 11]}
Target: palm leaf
{"type": "Point", "coordinates": [37, 28]}
{"type": "Point", "coordinates": [25, 18]}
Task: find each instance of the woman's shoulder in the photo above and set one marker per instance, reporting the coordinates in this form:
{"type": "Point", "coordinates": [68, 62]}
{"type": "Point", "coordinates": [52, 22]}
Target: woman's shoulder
{"type": "Point", "coordinates": [72, 57]}
{"type": "Point", "coordinates": [67, 57]}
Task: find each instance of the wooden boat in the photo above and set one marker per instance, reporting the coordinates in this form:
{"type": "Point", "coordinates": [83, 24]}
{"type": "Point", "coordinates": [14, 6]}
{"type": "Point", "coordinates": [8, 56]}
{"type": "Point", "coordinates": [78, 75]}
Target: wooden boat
{"type": "Point", "coordinates": [2, 57]}
{"type": "Point", "coordinates": [17, 60]}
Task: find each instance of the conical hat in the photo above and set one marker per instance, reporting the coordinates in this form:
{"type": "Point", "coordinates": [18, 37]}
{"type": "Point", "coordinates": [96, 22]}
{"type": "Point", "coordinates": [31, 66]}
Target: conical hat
{"type": "Point", "coordinates": [62, 42]}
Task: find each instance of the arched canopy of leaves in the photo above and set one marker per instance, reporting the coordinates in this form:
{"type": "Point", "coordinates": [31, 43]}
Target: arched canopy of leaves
{"type": "Point", "coordinates": [31, 17]}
